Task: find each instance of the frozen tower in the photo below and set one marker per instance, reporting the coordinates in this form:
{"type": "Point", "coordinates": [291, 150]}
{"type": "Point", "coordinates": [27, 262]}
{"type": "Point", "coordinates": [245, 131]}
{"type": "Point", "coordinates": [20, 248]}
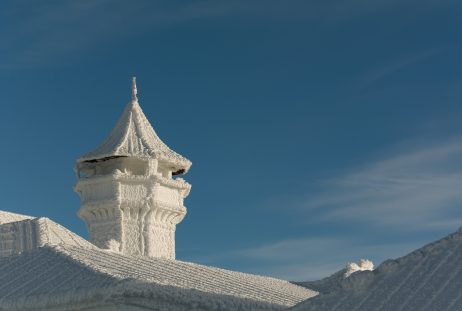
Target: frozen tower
{"type": "Point", "coordinates": [129, 200]}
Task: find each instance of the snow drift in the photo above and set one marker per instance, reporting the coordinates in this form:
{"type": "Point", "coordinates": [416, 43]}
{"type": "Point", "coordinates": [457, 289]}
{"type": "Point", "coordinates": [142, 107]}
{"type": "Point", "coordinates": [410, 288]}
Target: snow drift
{"type": "Point", "coordinates": [428, 279]}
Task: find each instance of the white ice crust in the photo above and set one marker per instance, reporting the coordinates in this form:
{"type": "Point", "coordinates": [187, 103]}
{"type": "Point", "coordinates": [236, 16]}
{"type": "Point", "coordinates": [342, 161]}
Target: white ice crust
{"type": "Point", "coordinates": [428, 279]}
{"type": "Point", "coordinates": [69, 277]}
{"type": "Point", "coordinates": [363, 265]}
{"type": "Point", "coordinates": [6, 217]}
{"type": "Point", "coordinates": [129, 200]}
{"type": "Point", "coordinates": [30, 233]}
{"type": "Point", "coordinates": [133, 136]}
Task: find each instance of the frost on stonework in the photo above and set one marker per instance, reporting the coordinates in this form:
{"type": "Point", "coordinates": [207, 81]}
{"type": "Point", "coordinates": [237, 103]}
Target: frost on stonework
{"type": "Point", "coordinates": [364, 265]}
{"type": "Point", "coordinates": [113, 245]}
{"type": "Point", "coordinates": [131, 197]}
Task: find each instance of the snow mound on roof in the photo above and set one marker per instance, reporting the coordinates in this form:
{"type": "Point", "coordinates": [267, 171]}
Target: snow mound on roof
{"type": "Point", "coordinates": [334, 282]}
{"type": "Point", "coordinates": [427, 279]}
{"type": "Point", "coordinates": [92, 277]}
{"type": "Point", "coordinates": [26, 234]}
{"type": "Point", "coordinates": [6, 217]}
{"type": "Point", "coordinates": [364, 265]}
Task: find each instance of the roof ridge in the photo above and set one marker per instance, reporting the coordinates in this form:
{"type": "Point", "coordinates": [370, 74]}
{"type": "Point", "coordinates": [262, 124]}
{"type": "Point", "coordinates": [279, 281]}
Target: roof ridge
{"type": "Point", "coordinates": [424, 250]}
{"type": "Point", "coordinates": [186, 275]}
{"type": "Point", "coordinates": [126, 130]}
{"type": "Point", "coordinates": [63, 250]}
{"type": "Point", "coordinates": [402, 282]}
{"type": "Point", "coordinates": [107, 278]}
{"type": "Point", "coordinates": [7, 217]}
{"type": "Point", "coordinates": [30, 233]}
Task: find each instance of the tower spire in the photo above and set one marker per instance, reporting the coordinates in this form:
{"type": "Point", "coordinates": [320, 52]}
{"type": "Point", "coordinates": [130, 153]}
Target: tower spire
{"type": "Point", "coordinates": [134, 90]}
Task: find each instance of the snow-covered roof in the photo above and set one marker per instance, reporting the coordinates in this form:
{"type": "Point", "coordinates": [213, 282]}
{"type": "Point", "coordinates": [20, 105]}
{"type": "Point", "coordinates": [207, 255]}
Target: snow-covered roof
{"type": "Point", "coordinates": [134, 136]}
{"type": "Point", "coordinates": [68, 275]}
{"type": "Point", "coordinates": [45, 266]}
{"type": "Point", "coordinates": [427, 279]}
{"type": "Point", "coordinates": [30, 233]}
{"type": "Point", "coordinates": [6, 217]}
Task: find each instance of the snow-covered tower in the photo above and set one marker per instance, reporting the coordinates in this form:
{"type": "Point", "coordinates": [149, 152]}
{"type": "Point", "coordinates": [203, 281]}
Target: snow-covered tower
{"type": "Point", "coordinates": [129, 200]}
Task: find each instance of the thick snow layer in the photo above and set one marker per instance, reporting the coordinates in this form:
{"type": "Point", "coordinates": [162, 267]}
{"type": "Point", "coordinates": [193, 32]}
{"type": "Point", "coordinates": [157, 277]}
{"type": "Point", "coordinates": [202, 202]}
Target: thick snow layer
{"type": "Point", "coordinates": [50, 277]}
{"type": "Point", "coordinates": [18, 236]}
{"type": "Point", "coordinates": [6, 217]}
{"type": "Point", "coordinates": [364, 265]}
{"type": "Point", "coordinates": [134, 136]}
{"type": "Point", "coordinates": [428, 279]}
{"type": "Point", "coordinates": [326, 285]}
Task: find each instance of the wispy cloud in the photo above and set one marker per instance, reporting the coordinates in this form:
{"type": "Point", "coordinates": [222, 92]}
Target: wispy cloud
{"type": "Point", "coordinates": [334, 12]}
{"type": "Point", "coordinates": [40, 31]}
{"type": "Point", "coordinates": [413, 194]}
{"type": "Point", "coordinates": [35, 34]}
{"type": "Point", "coordinates": [396, 66]}
{"type": "Point", "coordinates": [385, 208]}
{"type": "Point", "coordinates": [418, 188]}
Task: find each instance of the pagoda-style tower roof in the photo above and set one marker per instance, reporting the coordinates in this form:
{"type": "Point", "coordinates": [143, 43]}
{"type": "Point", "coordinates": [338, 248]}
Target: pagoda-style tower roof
{"type": "Point", "coordinates": [134, 136]}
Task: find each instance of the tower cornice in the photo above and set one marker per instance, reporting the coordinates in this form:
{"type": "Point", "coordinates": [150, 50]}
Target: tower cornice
{"type": "Point", "coordinates": [178, 183]}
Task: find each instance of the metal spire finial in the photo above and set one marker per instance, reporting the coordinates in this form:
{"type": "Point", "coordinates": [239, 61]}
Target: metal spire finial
{"type": "Point", "coordinates": [134, 90]}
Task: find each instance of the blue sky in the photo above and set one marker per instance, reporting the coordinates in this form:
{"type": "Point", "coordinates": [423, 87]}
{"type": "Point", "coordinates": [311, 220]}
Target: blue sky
{"type": "Point", "coordinates": [320, 132]}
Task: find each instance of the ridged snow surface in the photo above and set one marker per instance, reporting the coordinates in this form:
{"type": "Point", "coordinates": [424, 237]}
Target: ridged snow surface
{"type": "Point", "coordinates": [133, 136]}
{"type": "Point", "coordinates": [19, 236]}
{"type": "Point", "coordinates": [428, 279]}
{"type": "Point", "coordinates": [65, 277]}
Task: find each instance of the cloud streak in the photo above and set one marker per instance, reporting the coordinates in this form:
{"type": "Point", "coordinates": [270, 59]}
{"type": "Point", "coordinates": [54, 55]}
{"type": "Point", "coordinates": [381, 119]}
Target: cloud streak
{"type": "Point", "coordinates": [393, 67]}
{"type": "Point", "coordinates": [414, 195]}
{"type": "Point", "coordinates": [382, 209]}
{"type": "Point", "coordinates": [418, 188]}
{"type": "Point", "coordinates": [38, 33]}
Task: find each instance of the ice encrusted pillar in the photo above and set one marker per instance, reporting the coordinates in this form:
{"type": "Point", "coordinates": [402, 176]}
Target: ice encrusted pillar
{"type": "Point", "coordinates": [129, 199]}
